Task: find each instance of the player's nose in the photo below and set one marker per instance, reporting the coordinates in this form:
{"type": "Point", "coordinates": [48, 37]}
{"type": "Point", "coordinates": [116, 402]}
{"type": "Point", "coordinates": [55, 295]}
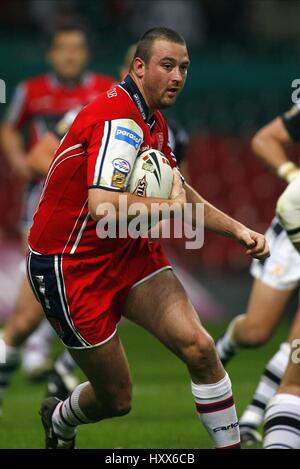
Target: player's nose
{"type": "Point", "coordinates": [177, 75]}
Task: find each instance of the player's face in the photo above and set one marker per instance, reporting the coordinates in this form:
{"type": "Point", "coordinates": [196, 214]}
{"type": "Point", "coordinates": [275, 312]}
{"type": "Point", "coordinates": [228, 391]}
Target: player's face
{"type": "Point", "coordinates": [69, 54]}
{"type": "Point", "coordinates": [165, 73]}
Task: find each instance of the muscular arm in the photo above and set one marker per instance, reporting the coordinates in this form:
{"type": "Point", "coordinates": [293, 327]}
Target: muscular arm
{"type": "Point", "coordinates": [98, 197]}
{"type": "Point", "coordinates": [268, 145]}
{"type": "Point", "coordinates": [214, 219]}
{"type": "Point", "coordinates": [217, 221]}
{"type": "Point", "coordinates": [13, 147]}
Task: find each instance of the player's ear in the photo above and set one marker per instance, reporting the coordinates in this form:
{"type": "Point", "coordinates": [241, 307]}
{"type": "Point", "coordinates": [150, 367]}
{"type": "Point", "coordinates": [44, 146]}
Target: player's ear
{"type": "Point", "coordinates": [138, 67]}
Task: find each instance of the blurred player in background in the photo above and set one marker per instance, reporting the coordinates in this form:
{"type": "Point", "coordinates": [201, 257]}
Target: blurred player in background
{"type": "Point", "coordinates": [276, 279]}
{"type": "Point", "coordinates": [282, 416]}
{"type": "Point", "coordinates": [38, 104]}
{"type": "Point", "coordinates": [130, 276]}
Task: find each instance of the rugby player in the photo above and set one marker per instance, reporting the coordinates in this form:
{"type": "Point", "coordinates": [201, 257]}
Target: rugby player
{"type": "Point", "coordinates": [282, 416]}
{"type": "Point", "coordinates": [275, 280]}
{"type": "Point", "coordinates": [85, 283]}
{"type": "Point", "coordinates": [61, 379]}
{"type": "Point", "coordinates": [39, 103]}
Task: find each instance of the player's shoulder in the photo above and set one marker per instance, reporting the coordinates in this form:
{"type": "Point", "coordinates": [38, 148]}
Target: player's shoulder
{"type": "Point", "coordinates": [110, 105]}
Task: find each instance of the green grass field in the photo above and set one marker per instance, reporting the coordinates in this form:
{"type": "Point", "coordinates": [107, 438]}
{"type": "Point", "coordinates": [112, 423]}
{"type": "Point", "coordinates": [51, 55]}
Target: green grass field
{"type": "Point", "coordinates": [163, 414]}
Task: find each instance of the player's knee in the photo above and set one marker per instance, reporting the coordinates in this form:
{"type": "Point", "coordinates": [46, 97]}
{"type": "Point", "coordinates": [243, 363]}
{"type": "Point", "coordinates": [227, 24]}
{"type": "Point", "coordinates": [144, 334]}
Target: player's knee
{"type": "Point", "coordinates": [200, 352]}
{"type": "Point", "coordinates": [118, 405]}
{"type": "Point", "coordinates": [117, 400]}
{"type": "Point", "coordinates": [255, 335]}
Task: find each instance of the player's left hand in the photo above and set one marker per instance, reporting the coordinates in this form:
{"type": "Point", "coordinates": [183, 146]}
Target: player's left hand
{"type": "Point", "coordinates": [256, 243]}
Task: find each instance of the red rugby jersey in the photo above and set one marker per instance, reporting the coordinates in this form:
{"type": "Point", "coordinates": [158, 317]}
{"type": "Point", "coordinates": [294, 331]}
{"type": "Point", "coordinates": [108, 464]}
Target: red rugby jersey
{"type": "Point", "coordinates": [99, 150]}
{"type": "Point", "coordinates": [41, 101]}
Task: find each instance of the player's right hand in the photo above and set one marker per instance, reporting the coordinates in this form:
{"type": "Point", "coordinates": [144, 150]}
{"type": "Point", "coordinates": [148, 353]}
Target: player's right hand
{"type": "Point", "coordinates": [178, 192]}
{"type": "Point", "coordinates": [256, 243]}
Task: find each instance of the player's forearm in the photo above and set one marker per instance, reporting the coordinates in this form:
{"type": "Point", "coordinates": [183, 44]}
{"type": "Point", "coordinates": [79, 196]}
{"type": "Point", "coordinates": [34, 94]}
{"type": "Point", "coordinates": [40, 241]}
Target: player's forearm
{"type": "Point", "coordinates": [124, 205]}
{"type": "Point", "coordinates": [214, 219]}
{"type": "Point", "coordinates": [268, 144]}
{"type": "Point", "coordinates": [270, 151]}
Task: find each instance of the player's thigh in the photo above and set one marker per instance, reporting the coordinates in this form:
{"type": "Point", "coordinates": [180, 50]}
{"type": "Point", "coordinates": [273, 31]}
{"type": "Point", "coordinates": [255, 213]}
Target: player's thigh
{"type": "Point", "coordinates": [266, 305]}
{"type": "Point", "coordinates": [106, 366]}
{"type": "Point", "coordinates": [161, 306]}
{"type": "Point", "coordinates": [26, 316]}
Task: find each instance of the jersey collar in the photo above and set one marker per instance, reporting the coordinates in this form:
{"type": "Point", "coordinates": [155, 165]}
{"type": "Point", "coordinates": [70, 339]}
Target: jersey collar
{"type": "Point", "coordinates": [131, 88]}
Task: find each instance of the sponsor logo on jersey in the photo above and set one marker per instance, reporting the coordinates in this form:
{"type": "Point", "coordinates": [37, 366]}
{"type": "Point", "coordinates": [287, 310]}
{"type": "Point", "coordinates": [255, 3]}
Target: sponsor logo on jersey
{"type": "Point", "coordinates": [121, 165]}
{"type": "Point", "coordinates": [112, 93]}
{"type": "Point", "coordinates": [118, 179]}
{"type": "Point", "coordinates": [129, 136]}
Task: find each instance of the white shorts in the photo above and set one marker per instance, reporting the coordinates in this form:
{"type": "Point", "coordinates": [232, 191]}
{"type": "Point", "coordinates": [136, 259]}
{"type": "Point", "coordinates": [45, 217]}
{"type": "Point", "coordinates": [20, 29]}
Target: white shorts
{"type": "Point", "coordinates": [282, 269]}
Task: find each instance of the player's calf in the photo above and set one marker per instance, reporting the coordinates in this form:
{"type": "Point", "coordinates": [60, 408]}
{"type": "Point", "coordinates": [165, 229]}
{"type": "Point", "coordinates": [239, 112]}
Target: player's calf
{"type": "Point", "coordinates": [211, 388]}
{"type": "Point", "coordinates": [216, 410]}
{"type": "Point", "coordinates": [84, 406]}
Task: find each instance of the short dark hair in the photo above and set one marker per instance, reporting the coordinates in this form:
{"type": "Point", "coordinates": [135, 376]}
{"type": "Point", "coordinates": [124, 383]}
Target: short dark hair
{"type": "Point", "coordinates": [66, 28]}
{"type": "Point", "coordinates": [144, 44]}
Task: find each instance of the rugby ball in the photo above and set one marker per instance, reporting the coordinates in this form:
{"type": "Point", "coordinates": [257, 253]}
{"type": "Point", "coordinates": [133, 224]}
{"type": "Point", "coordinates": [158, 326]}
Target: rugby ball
{"type": "Point", "coordinates": [152, 175]}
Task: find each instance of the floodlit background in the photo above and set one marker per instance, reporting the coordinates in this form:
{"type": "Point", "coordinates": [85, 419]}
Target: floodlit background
{"type": "Point", "coordinates": [244, 58]}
